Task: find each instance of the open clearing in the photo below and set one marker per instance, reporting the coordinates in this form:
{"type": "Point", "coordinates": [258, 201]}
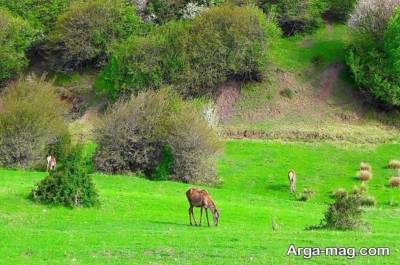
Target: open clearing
{"type": "Point", "coordinates": [146, 222]}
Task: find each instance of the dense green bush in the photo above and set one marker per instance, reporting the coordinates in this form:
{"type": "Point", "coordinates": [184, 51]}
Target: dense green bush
{"type": "Point", "coordinates": [86, 31]}
{"type": "Point", "coordinates": [345, 213]}
{"type": "Point", "coordinates": [144, 62]}
{"type": "Point", "coordinates": [222, 43]}
{"type": "Point", "coordinates": [31, 124]}
{"type": "Point", "coordinates": [373, 58]}
{"type": "Point", "coordinates": [225, 43]}
{"type": "Point", "coordinates": [339, 10]}
{"type": "Point", "coordinates": [295, 16]}
{"type": "Point", "coordinates": [160, 135]}
{"type": "Point", "coordinates": [42, 14]}
{"type": "Point", "coordinates": [16, 36]}
{"type": "Point", "coordinates": [69, 185]}
{"type": "Point", "coordinates": [391, 40]}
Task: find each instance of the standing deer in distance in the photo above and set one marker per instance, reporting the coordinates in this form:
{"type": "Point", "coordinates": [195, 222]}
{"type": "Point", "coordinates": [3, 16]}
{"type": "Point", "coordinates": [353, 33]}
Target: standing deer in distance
{"type": "Point", "coordinates": [51, 162]}
{"type": "Point", "coordinates": [292, 180]}
{"type": "Point", "coordinates": [201, 198]}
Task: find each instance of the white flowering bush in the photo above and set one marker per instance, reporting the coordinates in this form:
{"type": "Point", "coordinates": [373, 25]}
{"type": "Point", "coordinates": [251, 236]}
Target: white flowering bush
{"type": "Point", "coordinates": [192, 10]}
{"type": "Point", "coordinates": [372, 16]}
{"type": "Point", "coordinates": [211, 115]}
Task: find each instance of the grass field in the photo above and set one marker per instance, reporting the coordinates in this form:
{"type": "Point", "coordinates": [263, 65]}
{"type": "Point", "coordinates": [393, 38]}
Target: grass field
{"type": "Point", "coordinates": [298, 52]}
{"type": "Point", "coordinates": [145, 222]}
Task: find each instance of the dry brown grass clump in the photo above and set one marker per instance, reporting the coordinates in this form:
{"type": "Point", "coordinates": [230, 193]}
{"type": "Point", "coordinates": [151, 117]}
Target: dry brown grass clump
{"type": "Point", "coordinates": [394, 182]}
{"type": "Point", "coordinates": [368, 201]}
{"type": "Point", "coordinates": [306, 195]}
{"type": "Point", "coordinates": [394, 164]}
{"type": "Point", "coordinates": [364, 175]}
{"type": "Point", "coordinates": [365, 166]}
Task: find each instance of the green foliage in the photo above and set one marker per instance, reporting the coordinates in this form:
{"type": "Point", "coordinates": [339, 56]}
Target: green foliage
{"type": "Point", "coordinates": [391, 45]}
{"type": "Point", "coordinates": [144, 62]}
{"type": "Point", "coordinates": [295, 16]}
{"type": "Point", "coordinates": [345, 213]}
{"type": "Point", "coordinates": [339, 10]}
{"type": "Point", "coordinates": [69, 185]}
{"type": "Point", "coordinates": [16, 36]}
{"type": "Point", "coordinates": [226, 43]}
{"type": "Point", "coordinates": [159, 134]}
{"type": "Point", "coordinates": [86, 31]}
{"type": "Point", "coordinates": [164, 168]}
{"type": "Point", "coordinates": [42, 14]}
{"type": "Point", "coordinates": [375, 63]}
{"type": "Point", "coordinates": [31, 124]}
{"type": "Point", "coordinates": [222, 43]}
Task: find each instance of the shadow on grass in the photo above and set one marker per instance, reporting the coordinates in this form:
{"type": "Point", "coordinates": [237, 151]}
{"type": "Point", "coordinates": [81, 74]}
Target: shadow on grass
{"type": "Point", "coordinates": [181, 225]}
{"type": "Point", "coordinates": [278, 187]}
{"type": "Point", "coordinates": [171, 223]}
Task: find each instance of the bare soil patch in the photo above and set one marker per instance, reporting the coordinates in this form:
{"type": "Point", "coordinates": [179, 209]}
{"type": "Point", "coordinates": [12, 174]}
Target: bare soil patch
{"type": "Point", "coordinates": [228, 94]}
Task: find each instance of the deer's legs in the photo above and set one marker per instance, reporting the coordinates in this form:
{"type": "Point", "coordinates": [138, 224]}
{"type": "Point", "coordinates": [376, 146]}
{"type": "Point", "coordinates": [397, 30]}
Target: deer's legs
{"type": "Point", "coordinates": [207, 217]}
{"type": "Point", "coordinates": [201, 215]}
{"type": "Point", "coordinates": [194, 219]}
{"type": "Point", "coordinates": [191, 215]}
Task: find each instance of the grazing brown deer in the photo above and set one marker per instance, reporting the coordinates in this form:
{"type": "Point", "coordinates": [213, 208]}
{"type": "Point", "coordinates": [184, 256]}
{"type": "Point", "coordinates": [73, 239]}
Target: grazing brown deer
{"type": "Point", "coordinates": [201, 198]}
{"type": "Point", "coordinates": [51, 162]}
{"type": "Point", "coordinates": [292, 181]}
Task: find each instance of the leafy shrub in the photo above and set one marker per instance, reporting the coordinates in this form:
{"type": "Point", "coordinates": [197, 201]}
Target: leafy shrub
{"type": "Point", "coordinates": [31, 124]}
{"type": "Point", "coordinates": [373, 50]}
{"type": "Point", "coordinates": [306, 195]}
{"type": "Point", "coordinates": [339, 10]}
{"type": "Point", "coordinates": [391, 46]}
{"type": "Point", "coordinates": [225, 43]}
{"type": "Point", "coordinates": [345, 213]}
{"type": "Point", "coordinates": [159, 134]}
{"type": "Point", "coordinates": [296, 16]}
{"type": "Point", "coordinates": [143, 62]}
{"type": "Point", "coordinates": [69, 185]}
{"type": "Point", "coordinates": [86, 31]}
{"type": "Point", "coordinates": [16, 36]}
{"type": "Point", "coordinates": [365, 175]}
{"type": "Point", "coordinates": [42, 14]}
{"type": "Point", "coordinates": [222, 43]}
{"type": "Point", "coordinates": [394, 182]}
{"type": "Point", "coordinates": [394, 164]}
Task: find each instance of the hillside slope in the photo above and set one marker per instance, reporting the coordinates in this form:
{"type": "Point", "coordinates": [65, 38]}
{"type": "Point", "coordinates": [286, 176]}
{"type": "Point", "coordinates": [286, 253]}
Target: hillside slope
{"type": "Point", "coordinates": [308, 95]}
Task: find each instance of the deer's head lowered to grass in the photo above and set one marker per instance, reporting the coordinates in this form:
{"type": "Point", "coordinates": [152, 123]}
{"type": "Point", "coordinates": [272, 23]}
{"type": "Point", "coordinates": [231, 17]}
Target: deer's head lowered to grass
{"type": "Point", "coordinates": [201, 198]}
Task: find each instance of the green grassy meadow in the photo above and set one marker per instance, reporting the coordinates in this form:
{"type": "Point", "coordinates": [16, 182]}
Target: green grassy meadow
{"type": "Point", "coordinates": [146, 222]}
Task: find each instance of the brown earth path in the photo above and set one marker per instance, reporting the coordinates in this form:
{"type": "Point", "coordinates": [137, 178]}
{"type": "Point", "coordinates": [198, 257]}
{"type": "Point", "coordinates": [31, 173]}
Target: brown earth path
{"type": "Point", "coordinates": [329, 77]}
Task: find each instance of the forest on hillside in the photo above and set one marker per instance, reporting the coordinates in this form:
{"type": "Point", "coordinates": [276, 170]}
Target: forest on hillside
{"type": "Point", "coordinates": [160, 53]}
